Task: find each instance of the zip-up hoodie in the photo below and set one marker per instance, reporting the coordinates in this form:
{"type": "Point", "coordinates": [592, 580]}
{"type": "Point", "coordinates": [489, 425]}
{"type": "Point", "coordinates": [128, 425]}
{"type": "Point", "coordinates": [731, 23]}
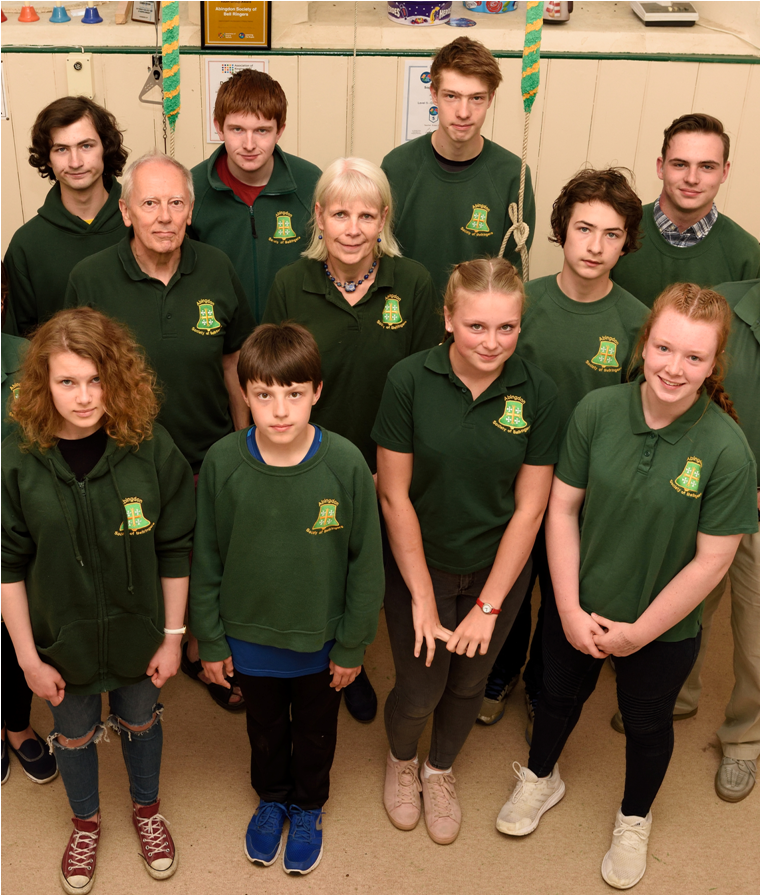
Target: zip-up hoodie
{"type": "Point", "coordinates": [94, 593]}
{"type": "Point", "coordinates": [261, 238]}
{"type": "Point", "coordinates": [43, 251]}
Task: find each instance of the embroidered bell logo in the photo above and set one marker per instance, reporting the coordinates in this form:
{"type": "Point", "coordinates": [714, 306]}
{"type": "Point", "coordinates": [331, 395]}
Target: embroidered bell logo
{"type": "Point", "coordinates": [135, 518]}
{"type": "Point", "coordinates": [206, 318]}
{"type": "Point", "coordinates": [283, 228]}
{"type": "Point", "coordinates": [689, 479]}
{"type": "Point", "coordinates": [391, 313]}
{"type": "Point", "coordinates": [513, 415]}
{"type": "Point", "coordinates": [477, 221]}
{"type": "Point", "coordinates": [606, 354]}
{"type": "Point", "coordinates": [327, 517]}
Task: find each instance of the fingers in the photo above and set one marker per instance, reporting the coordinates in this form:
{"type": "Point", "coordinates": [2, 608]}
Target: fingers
{"type": "Point", "coordinates": [419, 644]}
{"type": "Point", "coordinates": [430, 649]}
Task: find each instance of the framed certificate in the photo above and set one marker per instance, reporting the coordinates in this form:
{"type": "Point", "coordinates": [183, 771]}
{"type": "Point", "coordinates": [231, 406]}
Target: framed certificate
{"type": "Point", "coordinates": [230, 25]}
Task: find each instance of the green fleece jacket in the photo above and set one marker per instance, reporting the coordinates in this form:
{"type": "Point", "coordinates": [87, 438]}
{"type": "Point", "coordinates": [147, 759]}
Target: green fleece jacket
{"type": "Point", "coordinates": [286, 556]}
{"type": "Point", "coordinates": [12, 349]}
{"type": "Point", "coordinates": [727, 254]}
{"type": "Point", "coordinates": [95, 598]}
{"type": "Point", "coordinates": [262, 238]}
{"type": "Point", "coordinates": [43, 252]}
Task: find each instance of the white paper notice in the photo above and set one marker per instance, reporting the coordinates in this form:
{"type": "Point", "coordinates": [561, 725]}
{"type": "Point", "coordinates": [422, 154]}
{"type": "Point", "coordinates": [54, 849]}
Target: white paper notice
{"type": "Point", "coordinates": [420, 114]}
{"type": "Point", "coordinates": [217, 72]}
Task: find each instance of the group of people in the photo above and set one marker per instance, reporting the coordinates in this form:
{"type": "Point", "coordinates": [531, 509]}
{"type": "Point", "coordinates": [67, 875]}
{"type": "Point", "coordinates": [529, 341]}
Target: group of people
{"type": "Point", "coordinates": [331, 387]}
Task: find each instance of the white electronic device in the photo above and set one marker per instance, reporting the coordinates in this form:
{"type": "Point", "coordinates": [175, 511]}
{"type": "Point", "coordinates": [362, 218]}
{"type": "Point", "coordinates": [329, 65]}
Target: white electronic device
{"type": "Point", "coordinates": [671, 14]}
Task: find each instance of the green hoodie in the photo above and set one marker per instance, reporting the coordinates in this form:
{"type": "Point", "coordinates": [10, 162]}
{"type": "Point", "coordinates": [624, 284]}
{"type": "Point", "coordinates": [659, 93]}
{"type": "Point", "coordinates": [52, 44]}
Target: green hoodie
{"type": "Point", "coordinates": [43, 251]}
{"type": "Point", "coordinates": [11, 354]}
{"type": "Point", "coordinates": [95, 598]}
{"type": "Point", "coordinates": [262, 238]}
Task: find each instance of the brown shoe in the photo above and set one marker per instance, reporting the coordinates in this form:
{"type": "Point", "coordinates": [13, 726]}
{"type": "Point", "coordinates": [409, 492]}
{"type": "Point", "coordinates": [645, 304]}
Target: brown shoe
{"type": "Point", "coordinates": [401, 793]}
{"type": "Point", "coordinates": [156, 842]}
{"type": "Point", "coordinates": [443, 815]}
{"type": "Point", "coordinates": [78, 863]}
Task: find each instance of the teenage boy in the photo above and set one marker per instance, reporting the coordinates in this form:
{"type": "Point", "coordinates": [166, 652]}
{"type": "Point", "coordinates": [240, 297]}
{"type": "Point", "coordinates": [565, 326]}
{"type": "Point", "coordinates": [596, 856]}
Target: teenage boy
{"type": "Point", "coordinates": [685, 237]}
{"type": "Point", "coordinates": [581, 329]}
{"type": "Point", "coordinates": [287, 584]}
{"type": "Point", "coordinates": [78, 145]}
{"type": "Point", "coordinates": [452, 188]}
{"type": "Point", "coordinates": [253, 200]}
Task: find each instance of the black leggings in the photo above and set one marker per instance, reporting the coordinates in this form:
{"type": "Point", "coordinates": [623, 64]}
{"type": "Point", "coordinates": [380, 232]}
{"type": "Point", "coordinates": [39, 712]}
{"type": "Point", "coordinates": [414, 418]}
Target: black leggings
{"type": "Point", "coordinates": [647, 682]}
{"type": "Point", "coordinates": [16, 694]}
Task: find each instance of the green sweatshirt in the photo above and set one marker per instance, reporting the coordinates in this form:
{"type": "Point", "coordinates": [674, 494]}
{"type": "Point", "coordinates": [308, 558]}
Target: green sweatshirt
{"type": "Point", "coordinates": [444, 218]}
{"type": "Point", "coordinates": [43, 251]}
{"type": "Point", "coordinates": [95, 598]}
{"type": "Point", "coordinates": [11, 353]}
{"type": "Point", "coordinates": [728, 253]}
{"type": "Point", "coordinates": [286, 556]}
{"type": "Point", "coordinates": [262, 238]}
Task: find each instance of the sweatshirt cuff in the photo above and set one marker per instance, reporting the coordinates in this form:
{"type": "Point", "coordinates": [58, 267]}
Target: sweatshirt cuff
{"type": "Point", "coordinates": [348, 657]}
{"type": "Point", "coordinates": [214, 651]}
{"type": "Point", "coordinates": [10, 576]}
{"type": "Point", "coordinates": [174, 567]}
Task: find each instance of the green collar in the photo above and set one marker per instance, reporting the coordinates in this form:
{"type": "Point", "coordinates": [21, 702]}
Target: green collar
{"type": "Point", "coordinates": [281, 180]}
{"type": "Point", "coordinates": [513, 373]}
{"type": "Point", "coordinates": [674, 431]}
{"type": "Point", "coordinates": [317, 281]}
{"type": "Point", "coordinates": [135, 272]}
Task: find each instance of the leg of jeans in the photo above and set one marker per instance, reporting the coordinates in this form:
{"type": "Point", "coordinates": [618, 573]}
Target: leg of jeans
{"type": "Point", "coordinates": [689, 696]}
{"type": "Point", "coordinates": [570, 677]}
{"type": "Point", "coordinates": [739, 733]}
{"type": "Point", "coordinates": [512, 656]}
{"type": "Point", "coordinates": [314, 727]}
{"type": "Point", "coordinates": [136, 706]}
{"type": "Point", "coordinates": [75, 717]}
{"type": "Point", "coordinates": [16, 693]}
{"type": "Point", "coordinates": [647, 683]}
{"type": "Point", "coordinates": [268, 722]}
{"type": "Point", "coordinates": [418, 688]}
{"type": "Point", "coordinates": [534, 671]}
{"type": "Point", "coordinates": [458, 707]}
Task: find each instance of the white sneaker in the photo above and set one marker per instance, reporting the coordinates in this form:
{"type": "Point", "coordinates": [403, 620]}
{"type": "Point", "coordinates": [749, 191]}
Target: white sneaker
{"type": "Point", "coordinates": [531, 798]}
{"type": "Point", "coordinates": [626, 860]}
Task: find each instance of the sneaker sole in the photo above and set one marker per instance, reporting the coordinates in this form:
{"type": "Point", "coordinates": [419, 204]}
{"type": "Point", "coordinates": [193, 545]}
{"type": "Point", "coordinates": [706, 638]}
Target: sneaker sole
{"type": "Point", "coordinates": [403, 827]}
{"type": "Point", "coordinates": [261, 861]}
{"type": "Point", "coordinates": [731, 796]}
{"type": "Point", "coordinates": [40, 781]}
{"type": "Point", "coordinates": [626, 886]}
{"type": "Point", "coordinates": [299, 870]}
{"type": "Point", "coordinates": [552, 801]}
{"type": "Point", "coordinates": [490, 720]}
{"type": "Point", "coordinates": [67, 888]}
{"type": "Point", "coordinates": [157, 875]}
{"type": "Point", "coordinates": [440, 840]}
{"type": "Point", "coordinates": [6, 775]}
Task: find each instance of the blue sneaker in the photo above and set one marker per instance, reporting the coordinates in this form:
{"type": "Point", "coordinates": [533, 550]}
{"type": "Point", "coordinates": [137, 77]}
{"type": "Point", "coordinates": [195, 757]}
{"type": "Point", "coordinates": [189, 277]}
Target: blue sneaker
{"type": "Point", "coordinates": [303, 849]}
{"type": "Point", "coordinates": [264, 835]}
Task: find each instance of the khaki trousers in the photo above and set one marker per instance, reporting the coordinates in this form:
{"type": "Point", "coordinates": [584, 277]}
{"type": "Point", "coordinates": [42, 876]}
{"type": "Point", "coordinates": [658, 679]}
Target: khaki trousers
{"type": "Point", "coordinates": [740, 732]}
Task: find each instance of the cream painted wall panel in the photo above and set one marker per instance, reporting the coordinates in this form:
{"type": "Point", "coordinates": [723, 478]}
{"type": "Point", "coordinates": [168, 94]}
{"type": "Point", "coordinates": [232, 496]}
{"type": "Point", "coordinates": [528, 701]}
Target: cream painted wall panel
{"type": "Point", "coordinates": [670, 92]}
{"type": "Point", "coordinates": [375, 120]}
{"type": "Point", "coordinates": [741, 201]}
{"type": "Point", "coordinates": [617, 114]}
{"type": "Point", "coordinates": [30, 85]}
{"type": "Point", "coordinates": [285, 70]}
{"type": "Point", "coordinates": [119, 80]}
{"type": "Point", "coordinates": [11, 217]}
{"type": "Point", "coordinates": [322, 108]}
{"type": "Point", "coordinates": [564, 147]}
{"type": "Point", "coordinates": [509, 115]}
{"type": "Point", "coordinates": [190, 136]}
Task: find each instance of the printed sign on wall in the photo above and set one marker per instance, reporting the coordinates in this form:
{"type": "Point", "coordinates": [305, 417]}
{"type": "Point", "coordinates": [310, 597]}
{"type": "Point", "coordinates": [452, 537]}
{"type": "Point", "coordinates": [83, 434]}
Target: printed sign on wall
{"type": "Point", "coordinates": [218, 70]}
{"type": "Point", "coordinates": [420, 115]}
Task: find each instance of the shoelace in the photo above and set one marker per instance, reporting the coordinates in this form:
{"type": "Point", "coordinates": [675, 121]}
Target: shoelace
{"type": "Point", "coordinates": [301, 829]}
{"type": "Point", "coordinates": [441, 789]}
{"type": "Point", "coordinates": [82, 850]}
{"type": "Point", "coordinates": [533, 794]}
{"type": "Point", "coordinates": [632, 836]}
{"type": "Point", "coordinates": [153, 834]}
{"type": "Point", "coordinates": [268, 820]}
{"type": "Point", "coordinates": [408, 785]}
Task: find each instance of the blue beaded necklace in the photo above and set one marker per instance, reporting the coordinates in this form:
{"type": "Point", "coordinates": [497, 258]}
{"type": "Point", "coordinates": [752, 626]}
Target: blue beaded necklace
{"type": "Point", "coordinates": [350, 285]}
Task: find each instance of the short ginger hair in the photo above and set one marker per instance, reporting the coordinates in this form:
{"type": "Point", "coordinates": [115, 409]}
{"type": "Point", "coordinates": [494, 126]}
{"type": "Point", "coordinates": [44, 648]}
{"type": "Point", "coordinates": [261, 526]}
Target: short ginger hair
{"type": "Point", "coordinates": [251, 92]}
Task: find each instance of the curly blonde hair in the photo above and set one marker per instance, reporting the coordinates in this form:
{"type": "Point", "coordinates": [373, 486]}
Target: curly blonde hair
{"type": "Point", "coordinates": [129, 384]}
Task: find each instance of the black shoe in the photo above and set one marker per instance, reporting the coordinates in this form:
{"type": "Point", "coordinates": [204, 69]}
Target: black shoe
{"type": "Point", "coordinates": [38, 763]}
{"type": "Point", "coordinates": [361, 700]}
{"type": "Point", "coordinates": [6, 763]}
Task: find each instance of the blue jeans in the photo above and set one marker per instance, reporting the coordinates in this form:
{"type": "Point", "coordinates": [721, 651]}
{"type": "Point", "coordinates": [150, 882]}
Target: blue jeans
{"type": "Point", "coordinates": [79, 715]}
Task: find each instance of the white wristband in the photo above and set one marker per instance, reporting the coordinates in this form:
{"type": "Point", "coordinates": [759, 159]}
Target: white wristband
{"type": "Point", "coordinates": [175, 631]}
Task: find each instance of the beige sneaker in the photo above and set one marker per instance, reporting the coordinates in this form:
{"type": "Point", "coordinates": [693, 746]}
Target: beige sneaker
{"type": "Point", "coordinates": [401, 793]}
{"type": "Point", "coordinates": [626, 860]}
{"type": "Point", "coordinates": [443, 815]}
{"type": "Point", "coordinates": [531, 798]}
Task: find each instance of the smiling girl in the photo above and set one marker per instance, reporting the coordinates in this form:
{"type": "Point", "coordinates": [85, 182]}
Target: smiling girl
{"type": "Point", "coordinates": [654, 487]}
{"type": "Point", "coordinates": [466, 437]}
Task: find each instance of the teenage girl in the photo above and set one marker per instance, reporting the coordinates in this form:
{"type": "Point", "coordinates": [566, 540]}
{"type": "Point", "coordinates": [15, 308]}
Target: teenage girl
{"type": "Point", "coordinates": [98, 513]}
{"type": "Point", "coordinates": [466, 436]}
{"type": "Point", "coordinates": [668, 486]}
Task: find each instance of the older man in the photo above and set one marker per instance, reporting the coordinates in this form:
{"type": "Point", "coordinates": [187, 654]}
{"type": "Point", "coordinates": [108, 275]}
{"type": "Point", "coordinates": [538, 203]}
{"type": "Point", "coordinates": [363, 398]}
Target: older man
{"type": "Point", "coordinates": [181, 299]}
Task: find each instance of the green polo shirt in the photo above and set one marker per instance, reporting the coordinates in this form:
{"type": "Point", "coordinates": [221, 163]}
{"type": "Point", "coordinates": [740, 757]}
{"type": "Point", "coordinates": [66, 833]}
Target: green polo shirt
{"type": "Point", "coordinates": [467, 452]}
{"type": "Point", "coordinates": [359, 344]}
{"type": "Point", "coordinates": [648, 494]}
{"type": "Point", "coordinates": [742, 380]}
{"type": "Point", "coordinates": [184, 327]}
{"type": "Point", "coordinates": [581, 345]}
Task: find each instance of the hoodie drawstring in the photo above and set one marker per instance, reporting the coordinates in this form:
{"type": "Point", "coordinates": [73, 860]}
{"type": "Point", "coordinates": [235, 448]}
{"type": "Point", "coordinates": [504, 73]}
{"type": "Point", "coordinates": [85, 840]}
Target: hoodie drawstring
{"type": "Point", "coordinates": [67, 515]}
{"type": "Point", "coordinates": [127, 546]}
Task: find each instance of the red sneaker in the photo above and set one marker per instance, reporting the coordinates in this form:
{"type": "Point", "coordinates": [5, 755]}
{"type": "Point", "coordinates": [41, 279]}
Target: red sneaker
{"type": "Point", "coordinates": [78, 863]}
{"type": "Point", "coordinates": [156, 842]}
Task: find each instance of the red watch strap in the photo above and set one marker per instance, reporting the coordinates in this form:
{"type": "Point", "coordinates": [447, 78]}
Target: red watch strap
{"type": "Point", "coordinates": [493, 612]}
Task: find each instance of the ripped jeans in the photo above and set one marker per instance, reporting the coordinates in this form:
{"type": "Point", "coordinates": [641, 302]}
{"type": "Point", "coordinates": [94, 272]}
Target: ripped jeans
{"type": "Point", "coordinates": [78, 715]}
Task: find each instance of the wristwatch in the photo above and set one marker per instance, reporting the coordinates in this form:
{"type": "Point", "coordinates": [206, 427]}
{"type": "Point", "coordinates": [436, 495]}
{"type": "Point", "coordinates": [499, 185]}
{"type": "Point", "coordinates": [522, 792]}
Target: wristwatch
{"type": "Point", "coordinates": [488, 608]}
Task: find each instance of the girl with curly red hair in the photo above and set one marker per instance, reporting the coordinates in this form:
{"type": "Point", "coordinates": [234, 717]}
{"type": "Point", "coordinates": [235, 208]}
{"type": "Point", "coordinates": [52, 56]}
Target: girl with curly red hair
{"type": "Point", "coordinates": [97, 527]}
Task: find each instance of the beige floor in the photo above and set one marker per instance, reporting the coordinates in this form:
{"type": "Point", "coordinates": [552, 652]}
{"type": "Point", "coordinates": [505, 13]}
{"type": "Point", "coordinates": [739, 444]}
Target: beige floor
{"type": "Point", "coordinates": [699, 843]}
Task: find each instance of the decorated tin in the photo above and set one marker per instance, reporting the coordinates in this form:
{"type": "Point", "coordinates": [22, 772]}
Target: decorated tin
{"type": "Point", "coordinates": [419, 13]}
{"type": "Point", "coordinates": [490, 7]}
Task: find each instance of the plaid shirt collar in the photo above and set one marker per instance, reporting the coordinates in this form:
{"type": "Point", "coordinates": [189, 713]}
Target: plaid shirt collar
{"type": "Point", "coordinates": [692, 236]}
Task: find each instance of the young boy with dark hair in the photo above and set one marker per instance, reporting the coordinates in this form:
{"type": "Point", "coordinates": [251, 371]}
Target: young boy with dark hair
{"type": "Point", "coordinates": [580, 328]}
{"type": "Point", "coordinates": [287, 582]}
{"type": "Point", "coordinates": [253, 200]}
